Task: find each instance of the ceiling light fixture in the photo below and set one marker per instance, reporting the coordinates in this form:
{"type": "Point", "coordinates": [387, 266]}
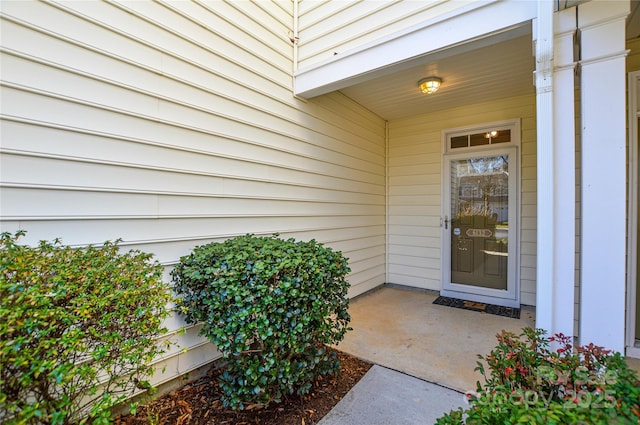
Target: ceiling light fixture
{"type": "Point", "coordinates": [430, 85]}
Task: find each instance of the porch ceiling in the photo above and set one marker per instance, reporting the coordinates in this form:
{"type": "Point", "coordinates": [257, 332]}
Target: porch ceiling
{"type": "Point", "coordinates": [482, 74]}
{"type": "Point", "coordinates": [479, 71]}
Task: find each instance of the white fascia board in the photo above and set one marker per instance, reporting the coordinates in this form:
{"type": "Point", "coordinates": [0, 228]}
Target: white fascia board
{"type": "Point", "coordinates": [475, 21]}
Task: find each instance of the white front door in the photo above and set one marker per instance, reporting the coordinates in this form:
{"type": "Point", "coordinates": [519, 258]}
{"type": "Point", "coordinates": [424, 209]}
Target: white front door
{"type": "Point", "coordinates": [480, 222]}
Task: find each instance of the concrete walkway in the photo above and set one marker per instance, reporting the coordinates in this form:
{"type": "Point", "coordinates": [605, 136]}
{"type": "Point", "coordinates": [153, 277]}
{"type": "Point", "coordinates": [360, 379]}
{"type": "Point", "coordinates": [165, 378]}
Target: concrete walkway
{"type": "Point", "coordinates": [424, 356]}
{"type": "Point", "coordinates": [386, 397]}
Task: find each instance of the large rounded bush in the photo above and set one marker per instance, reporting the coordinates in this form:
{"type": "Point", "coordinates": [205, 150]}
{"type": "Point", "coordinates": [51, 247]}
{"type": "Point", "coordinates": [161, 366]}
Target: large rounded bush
{"type": "Point", "coordinates": [77, 329]}
{"type": "Point", "coordinates": [270, 306]}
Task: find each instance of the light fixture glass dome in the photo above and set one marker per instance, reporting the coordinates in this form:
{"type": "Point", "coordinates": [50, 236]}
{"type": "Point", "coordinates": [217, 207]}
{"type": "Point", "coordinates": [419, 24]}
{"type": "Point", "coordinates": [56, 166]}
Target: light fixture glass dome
{"type": "Point", "coordinates": [430, 85]}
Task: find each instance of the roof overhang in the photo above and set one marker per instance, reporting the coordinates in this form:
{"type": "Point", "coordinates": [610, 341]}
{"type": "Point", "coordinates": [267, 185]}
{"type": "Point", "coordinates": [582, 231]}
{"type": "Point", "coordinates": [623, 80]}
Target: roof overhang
{"type": "Point", "coordinates": [476, 24]}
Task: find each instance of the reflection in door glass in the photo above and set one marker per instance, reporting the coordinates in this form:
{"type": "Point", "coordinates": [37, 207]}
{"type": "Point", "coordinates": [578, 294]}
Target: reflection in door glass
{"type": "Point", "coordinates": [480, 221]}
{"type": "Point", "coordinates": [490, 137]}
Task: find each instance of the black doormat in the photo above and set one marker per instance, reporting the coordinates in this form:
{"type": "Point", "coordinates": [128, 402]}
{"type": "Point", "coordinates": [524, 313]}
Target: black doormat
{"type": "Point", "coordinates": [498, 310]}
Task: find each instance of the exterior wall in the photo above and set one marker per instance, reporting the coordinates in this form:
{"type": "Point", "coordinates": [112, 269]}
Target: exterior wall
{"type": "Point", "coordinates": [170, 125]}
{"type": "Point", "coordinates": [327, 28]}
{"type": "Point", "coordinates": [633, 58]}
{"type": "Point", "coordinates": [415, 185]}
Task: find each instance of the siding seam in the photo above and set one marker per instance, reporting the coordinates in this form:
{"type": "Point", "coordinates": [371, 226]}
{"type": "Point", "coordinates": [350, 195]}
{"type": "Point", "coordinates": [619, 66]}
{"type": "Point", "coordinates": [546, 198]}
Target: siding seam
{"type": "Point", "coordinates": [223, 236]}
{"type": "Point", "coordinates": [180, 194]}
{"type": "Point", "coordinates": [189, 127]}
{"type": "Point", "coordinates": [384, 5]}
{"type": "Point", "coordinates": [170, 76]}
{"type": "Point", "coordinates": [168, 6]}
{"type": "Point", "coordinates": [369, 31]}
{"type": "Point", "coordinates": [157, 24]}
{"type": "Point", "coordinates": [89, 47]}
{"type": "Point", "coordinates": [138, 166]}
{"type": "Point", "coordinates": [284, 25]}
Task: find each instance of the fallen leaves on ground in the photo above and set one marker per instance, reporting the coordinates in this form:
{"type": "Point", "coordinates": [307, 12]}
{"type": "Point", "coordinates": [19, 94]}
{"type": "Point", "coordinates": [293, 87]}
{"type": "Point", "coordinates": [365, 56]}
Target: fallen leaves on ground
{"type": "Point", "coordinates": [198, 403]}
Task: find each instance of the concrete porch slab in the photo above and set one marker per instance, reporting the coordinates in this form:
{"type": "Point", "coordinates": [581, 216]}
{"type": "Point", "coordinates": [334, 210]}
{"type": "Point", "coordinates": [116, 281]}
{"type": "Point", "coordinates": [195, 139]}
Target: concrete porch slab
{"type": "Point", "coordinates": [403, 330]}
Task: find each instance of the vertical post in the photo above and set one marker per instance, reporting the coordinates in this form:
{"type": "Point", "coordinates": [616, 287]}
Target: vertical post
{"type": "Point", "coordinates": [387, 195]}
{"type": "Point", "coordinates": [555, 96]}
{"type": "Point", "coordinates": [545, 169]}
{"type": "Point", "coordinates": [602, 285]}
{"type": "Point", "coordinates": [564, 152]}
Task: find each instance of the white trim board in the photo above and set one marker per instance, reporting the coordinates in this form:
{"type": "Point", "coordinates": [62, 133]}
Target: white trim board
{"type": "Point", "coordinates": [632, 221]}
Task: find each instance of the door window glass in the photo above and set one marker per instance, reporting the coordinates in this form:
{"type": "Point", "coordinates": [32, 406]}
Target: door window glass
{"type": "Point", "coordinates": [480, 221]}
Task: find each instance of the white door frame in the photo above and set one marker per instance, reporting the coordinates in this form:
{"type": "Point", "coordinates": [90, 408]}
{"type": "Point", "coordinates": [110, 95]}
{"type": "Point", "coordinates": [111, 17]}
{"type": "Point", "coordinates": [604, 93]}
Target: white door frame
{"type": "Point", "coordinates": [632, 221]}
{"type": "Point", "coordinates": [510, 297]}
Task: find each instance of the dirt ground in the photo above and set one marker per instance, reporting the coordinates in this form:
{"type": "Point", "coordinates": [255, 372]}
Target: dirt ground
{"type": "Point", "coordinates": [198, 403]}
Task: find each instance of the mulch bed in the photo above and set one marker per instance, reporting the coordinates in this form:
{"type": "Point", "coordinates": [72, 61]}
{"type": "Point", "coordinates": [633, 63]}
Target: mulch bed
{"type": "Point", "coordinates": [198, 403]}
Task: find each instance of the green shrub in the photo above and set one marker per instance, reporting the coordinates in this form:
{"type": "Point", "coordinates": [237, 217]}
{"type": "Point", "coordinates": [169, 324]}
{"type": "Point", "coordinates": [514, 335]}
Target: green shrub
{"type": "Point", "coordinates": [531, 383]}
{"type": "Point", "coordinates": [270, 306]}
{"type": "Point", "coordinates": [77, 329]}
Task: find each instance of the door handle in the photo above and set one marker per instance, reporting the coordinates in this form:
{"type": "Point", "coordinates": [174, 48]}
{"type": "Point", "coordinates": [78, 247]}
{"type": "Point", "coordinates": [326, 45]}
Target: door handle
{"type": "Point", "coordinates": [446, 222]}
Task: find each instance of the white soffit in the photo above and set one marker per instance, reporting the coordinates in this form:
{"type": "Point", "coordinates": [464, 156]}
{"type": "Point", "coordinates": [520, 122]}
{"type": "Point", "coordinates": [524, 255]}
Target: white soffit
{"type": "Point", "coordinates": [482, 23]}
{"type": "Point", "coordinates": [493, 72]}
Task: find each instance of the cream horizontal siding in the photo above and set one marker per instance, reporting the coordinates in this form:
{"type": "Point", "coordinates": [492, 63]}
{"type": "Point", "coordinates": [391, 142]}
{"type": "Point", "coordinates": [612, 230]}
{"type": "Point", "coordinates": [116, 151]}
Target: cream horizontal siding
{"type": "Point", "coordinates": [415, 186]}
{"type": "Point", "coordinates": [171, 125]}
{"type": "Point", "coordinates": [328, 28]}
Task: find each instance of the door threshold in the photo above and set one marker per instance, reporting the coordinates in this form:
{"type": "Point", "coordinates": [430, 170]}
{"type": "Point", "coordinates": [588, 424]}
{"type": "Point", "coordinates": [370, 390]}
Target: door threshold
{"type": "Point", "coordinates": [504, 302]}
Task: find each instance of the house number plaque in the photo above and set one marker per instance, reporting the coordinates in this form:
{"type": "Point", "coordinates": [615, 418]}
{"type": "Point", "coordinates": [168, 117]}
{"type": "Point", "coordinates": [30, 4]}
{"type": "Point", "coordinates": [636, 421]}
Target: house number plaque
{"type": "Point", "coordinates": [479, 233]}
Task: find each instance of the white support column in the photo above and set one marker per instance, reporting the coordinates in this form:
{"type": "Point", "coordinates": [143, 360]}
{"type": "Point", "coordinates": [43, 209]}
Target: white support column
{"type": "Point", "coordinates": [556, 169]}
{"type": "Point", "coordinates": [564, 136]}
{"type": "Point", "coordinates": [603, 202]}
{"type": "Point", "coordinates": [545, 170]}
